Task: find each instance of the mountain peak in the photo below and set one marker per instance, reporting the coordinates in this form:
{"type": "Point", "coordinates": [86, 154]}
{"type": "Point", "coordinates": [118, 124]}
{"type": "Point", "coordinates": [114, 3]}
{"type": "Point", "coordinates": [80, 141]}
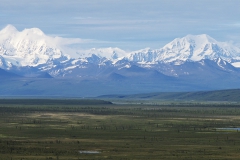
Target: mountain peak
{"type": "Point", "coordinates": [9, 29]}
{"type": "Point", "coordinates": [30, 47]}
{"type": "Point", "coordinates": [203, 38]}
{"type": "Point", "coordinates": [35, 31]}
{"type": "Point", "coordinates": [109, 53]}
{"type": "Point", "coordinates": [191, 40]}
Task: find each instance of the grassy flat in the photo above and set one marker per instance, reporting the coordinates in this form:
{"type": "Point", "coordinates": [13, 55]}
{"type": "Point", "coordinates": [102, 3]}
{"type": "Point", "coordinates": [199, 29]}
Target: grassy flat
{"type": "Point", "coordinates": [40, 132]}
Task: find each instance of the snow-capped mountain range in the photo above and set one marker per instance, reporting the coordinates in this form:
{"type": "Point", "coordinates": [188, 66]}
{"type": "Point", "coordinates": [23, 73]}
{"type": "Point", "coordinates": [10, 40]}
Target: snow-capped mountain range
{"type": "Point", "coordinates": [28, 51]}
{"type": "Point", "coordinates": [33, 63]}
{"type": "Point", "coordinates": [189, 48]}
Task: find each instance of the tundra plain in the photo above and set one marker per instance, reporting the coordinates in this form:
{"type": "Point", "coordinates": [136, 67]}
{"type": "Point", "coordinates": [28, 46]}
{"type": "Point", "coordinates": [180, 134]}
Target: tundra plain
{"type": "Point", "coordinates": [74, 131]}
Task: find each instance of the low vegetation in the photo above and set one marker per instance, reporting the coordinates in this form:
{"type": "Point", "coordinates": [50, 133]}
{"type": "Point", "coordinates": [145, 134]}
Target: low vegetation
{"type": "Point", "coordinates": [108, 131]}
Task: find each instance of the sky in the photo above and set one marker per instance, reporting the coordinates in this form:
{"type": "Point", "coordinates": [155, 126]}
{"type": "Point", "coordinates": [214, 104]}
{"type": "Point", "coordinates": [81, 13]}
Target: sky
{"type": "Point", "coordinates": [127, 24]}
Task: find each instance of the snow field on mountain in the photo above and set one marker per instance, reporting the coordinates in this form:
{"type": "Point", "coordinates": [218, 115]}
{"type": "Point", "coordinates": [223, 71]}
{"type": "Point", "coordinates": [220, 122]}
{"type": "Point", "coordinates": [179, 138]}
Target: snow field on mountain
{"type": "Point", "coordinates": [32, 48]}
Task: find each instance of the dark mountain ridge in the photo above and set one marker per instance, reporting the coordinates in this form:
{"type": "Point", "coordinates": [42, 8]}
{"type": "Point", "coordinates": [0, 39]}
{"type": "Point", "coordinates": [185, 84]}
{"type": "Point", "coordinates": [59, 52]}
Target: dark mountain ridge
{"type": "Point", "coordinates": [231, 95]}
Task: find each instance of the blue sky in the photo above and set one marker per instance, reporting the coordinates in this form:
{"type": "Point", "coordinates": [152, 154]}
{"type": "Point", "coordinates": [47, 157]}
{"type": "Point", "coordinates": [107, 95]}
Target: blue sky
{"type": "Point", "coordinates": [127, 24]}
